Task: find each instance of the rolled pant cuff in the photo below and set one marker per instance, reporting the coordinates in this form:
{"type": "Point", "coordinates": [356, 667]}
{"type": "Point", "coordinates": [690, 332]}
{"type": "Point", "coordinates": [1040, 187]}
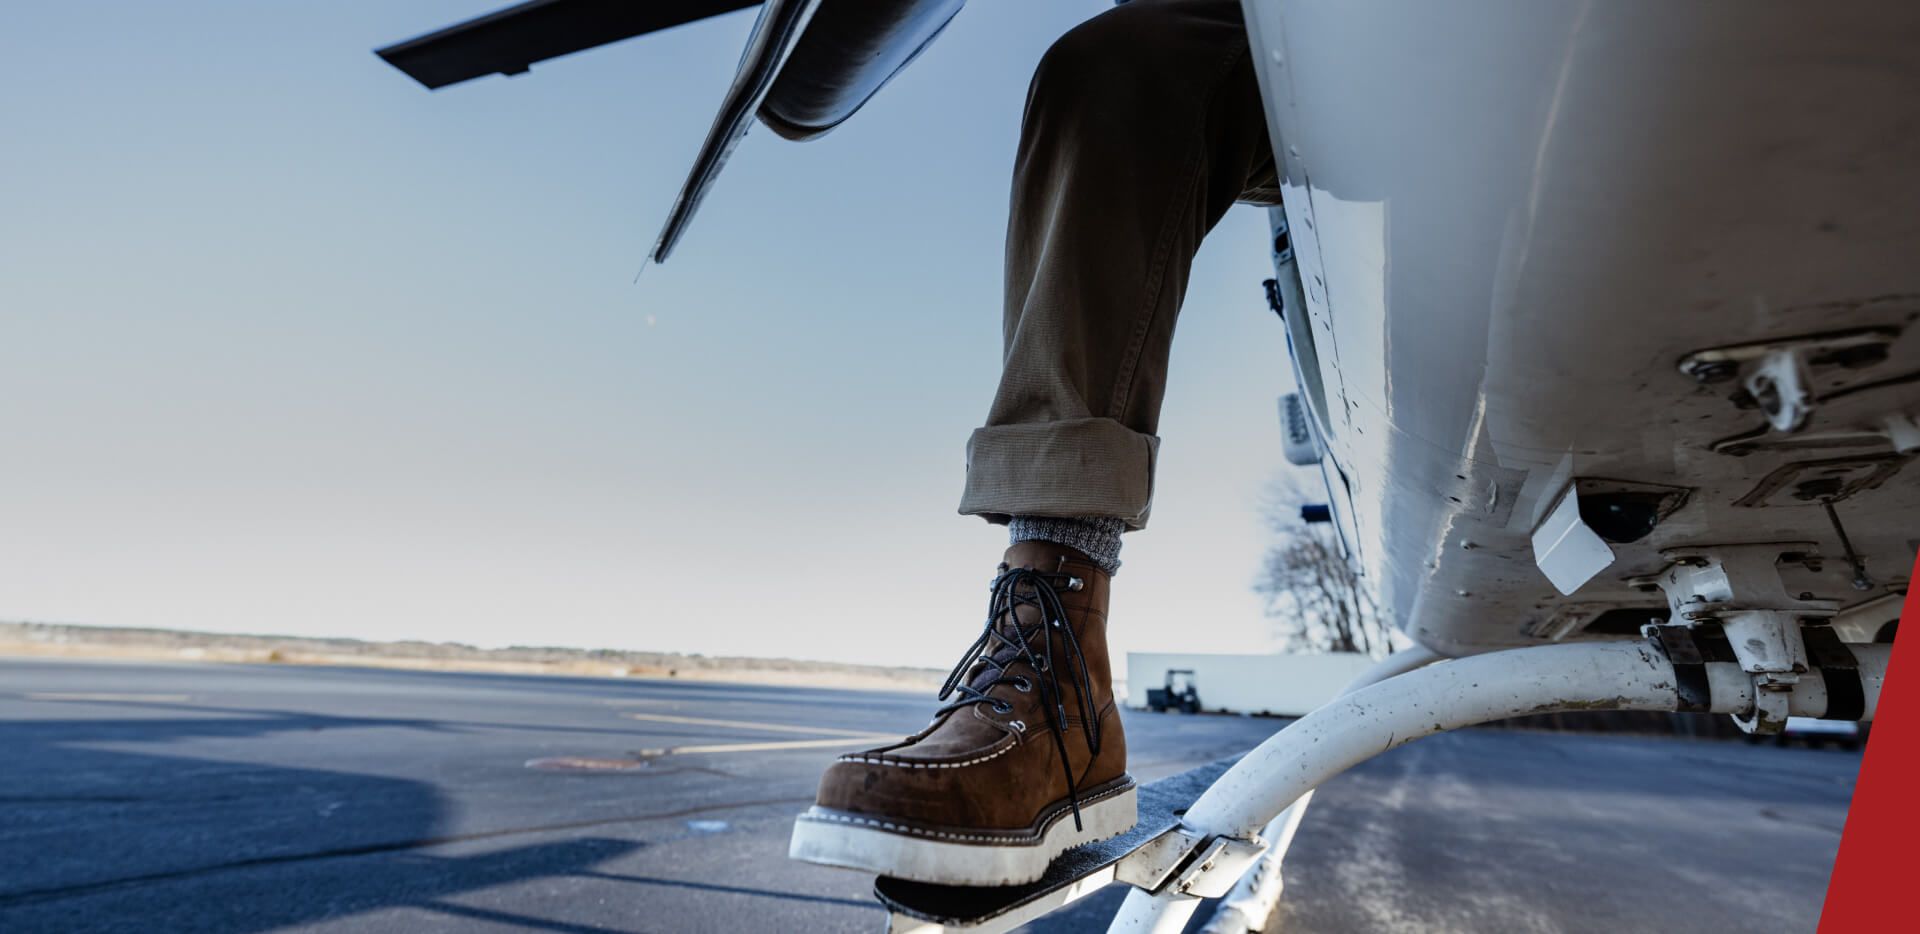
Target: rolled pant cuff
{"type": "Point", "coordinates": [1069, 468]}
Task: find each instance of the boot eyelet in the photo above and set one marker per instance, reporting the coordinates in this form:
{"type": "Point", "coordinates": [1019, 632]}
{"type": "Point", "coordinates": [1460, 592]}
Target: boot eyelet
{"type": "Point", "coordinates": [1023, 685]}
{"type": "Point", "coordinates": [1002, 707]}
{"type": "Point", "coordinates": [1019, 726]}
{"type": "Point", "coordinates": [1040, 664]}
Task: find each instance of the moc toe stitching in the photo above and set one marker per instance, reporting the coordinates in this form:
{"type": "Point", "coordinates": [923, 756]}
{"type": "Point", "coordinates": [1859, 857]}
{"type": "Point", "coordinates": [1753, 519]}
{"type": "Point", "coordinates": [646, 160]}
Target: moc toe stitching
{"type": "Point", "coordinates": [930, 764]}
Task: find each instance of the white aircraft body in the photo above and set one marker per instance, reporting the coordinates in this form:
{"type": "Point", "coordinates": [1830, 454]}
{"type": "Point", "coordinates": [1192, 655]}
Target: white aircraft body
{"type": "Point", "coordinates": [1662, 257]}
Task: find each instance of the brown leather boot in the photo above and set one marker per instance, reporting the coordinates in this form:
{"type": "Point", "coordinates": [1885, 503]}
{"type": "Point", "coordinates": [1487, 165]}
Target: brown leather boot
{"type": "Point", "coordinates": [1025, 761]}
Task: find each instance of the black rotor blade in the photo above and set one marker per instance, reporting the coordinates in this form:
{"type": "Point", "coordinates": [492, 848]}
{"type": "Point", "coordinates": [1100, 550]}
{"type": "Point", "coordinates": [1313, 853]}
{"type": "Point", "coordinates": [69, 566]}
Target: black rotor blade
{"type": "Point", "coordinates": [508, 41]}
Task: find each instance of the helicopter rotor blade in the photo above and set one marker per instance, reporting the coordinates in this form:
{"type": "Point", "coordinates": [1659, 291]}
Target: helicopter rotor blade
{"type": "Point", "coordinates": [511, 40]}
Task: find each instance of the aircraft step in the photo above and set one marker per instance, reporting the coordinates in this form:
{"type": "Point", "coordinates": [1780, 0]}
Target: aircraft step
{"type": "Point", "coordinates": [1143, 856]}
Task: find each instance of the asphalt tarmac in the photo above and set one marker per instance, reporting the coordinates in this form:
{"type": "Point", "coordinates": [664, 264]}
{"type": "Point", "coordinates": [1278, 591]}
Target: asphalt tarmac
{"type": "Point", "coordinates": [158, 797]}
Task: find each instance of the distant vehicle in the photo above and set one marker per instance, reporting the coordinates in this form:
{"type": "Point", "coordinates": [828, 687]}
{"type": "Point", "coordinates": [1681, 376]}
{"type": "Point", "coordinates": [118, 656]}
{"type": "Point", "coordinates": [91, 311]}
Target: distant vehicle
{"type": "Point", "coordinates": [1180, 693]}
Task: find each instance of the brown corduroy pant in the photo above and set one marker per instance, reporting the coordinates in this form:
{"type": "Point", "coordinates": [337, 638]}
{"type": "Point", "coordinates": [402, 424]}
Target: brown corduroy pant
{"type": "Point", "coordinates": [1143, 125]}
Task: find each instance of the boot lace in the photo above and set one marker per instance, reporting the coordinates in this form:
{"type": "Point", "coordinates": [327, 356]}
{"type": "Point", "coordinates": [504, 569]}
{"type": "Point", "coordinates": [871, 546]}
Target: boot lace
{"type": "Point", "coordinates": [1004, 642]}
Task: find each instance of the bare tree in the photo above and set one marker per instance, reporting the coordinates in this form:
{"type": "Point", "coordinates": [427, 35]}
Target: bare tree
{"type": "Point", "coordinates": [1317, 599]}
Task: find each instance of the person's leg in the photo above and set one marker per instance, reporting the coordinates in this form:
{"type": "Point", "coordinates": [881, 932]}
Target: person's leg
{"type": "Point", "coordinates": [1142, 126]}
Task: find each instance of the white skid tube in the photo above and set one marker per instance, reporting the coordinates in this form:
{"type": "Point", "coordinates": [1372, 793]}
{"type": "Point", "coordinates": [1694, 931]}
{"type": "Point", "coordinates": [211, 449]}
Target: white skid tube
{"type": "Point", "coordinates": [1358, 726]}
{"type": "Point", "coordinates": [1253, 898]}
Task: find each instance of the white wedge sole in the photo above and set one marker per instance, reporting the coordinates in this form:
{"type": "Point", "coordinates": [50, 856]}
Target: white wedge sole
{"type": "Point", "coordinates": [855, 841]}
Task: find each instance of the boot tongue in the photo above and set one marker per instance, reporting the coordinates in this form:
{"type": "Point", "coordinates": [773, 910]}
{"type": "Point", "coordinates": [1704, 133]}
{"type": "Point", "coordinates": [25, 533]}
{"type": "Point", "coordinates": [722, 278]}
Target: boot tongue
{"type": "Point", "coordinates": [1046, 558]}
{"type": "Point", "coordinates": [1043, 557]}
{"type": "Point", "coordinates": [1040, 556]}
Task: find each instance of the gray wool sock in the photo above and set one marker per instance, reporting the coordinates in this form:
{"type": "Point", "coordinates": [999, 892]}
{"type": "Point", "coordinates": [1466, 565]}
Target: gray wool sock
{"type": "Point", "coordinates": [1097, 537]}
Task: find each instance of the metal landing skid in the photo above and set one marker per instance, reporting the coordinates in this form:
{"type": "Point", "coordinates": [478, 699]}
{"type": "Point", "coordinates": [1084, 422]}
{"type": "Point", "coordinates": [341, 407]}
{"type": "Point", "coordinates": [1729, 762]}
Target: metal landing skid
{"type": "Point", "coordinates": [1738, 644]}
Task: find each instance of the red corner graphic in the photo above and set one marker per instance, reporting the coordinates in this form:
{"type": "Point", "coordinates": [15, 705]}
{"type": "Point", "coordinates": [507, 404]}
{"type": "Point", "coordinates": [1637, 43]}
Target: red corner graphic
{"type": "Point", "coordinates": [1867, 892]}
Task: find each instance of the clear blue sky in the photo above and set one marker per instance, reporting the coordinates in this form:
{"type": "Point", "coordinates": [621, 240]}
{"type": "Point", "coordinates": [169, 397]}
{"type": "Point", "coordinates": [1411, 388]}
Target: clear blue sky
{"type": "Point", "coordinates": [289, 344]}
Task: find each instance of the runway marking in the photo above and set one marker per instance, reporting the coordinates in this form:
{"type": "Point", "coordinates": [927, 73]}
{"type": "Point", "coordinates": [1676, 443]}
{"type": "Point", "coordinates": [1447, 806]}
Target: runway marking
{"type": "Point", "coordinates": [110, 698]}
{"type": "Point", "coordinates": [746, 725]}
{"type": "Point", "coordinates": [770, 747]}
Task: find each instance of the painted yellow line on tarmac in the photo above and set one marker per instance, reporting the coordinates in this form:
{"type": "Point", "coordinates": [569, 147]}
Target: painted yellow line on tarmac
{"type": "Point", "coordinates": [745, 725]}
{"type": "Point", "coordinates": [111, 698]}
{"type": "Point", "coordinates": [770, 747]}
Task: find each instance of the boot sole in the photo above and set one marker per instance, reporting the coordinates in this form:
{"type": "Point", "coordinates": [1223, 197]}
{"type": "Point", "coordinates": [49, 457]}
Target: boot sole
{"type": "Point", "coordinates": [854, 841]}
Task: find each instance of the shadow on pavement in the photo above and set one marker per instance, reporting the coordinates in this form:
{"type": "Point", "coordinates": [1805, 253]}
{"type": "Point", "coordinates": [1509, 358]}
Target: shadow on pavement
{"type": "Point", "coordinates": [94, 836]}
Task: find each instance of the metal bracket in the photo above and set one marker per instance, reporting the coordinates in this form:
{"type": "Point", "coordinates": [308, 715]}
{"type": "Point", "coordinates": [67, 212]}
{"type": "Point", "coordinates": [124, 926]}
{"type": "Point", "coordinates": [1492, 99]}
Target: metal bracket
{"type": "Point", "coordinates": [1213, 873]}
{"type": "Point", "coordinates": [1779, 386]}
{"type": "Point", "coordinates": [1721, 364]}
{"type": "Point", "coordinates": [1740, 590]}
{"type": "Point", "coordinates": [1149, 866]}
{"type": "Point", "coordinates": [1779, 379]}
{"type": "Point", "coordinates": [1709, 581]}
{"type": "Point", "coordinates": [1738, 587]}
